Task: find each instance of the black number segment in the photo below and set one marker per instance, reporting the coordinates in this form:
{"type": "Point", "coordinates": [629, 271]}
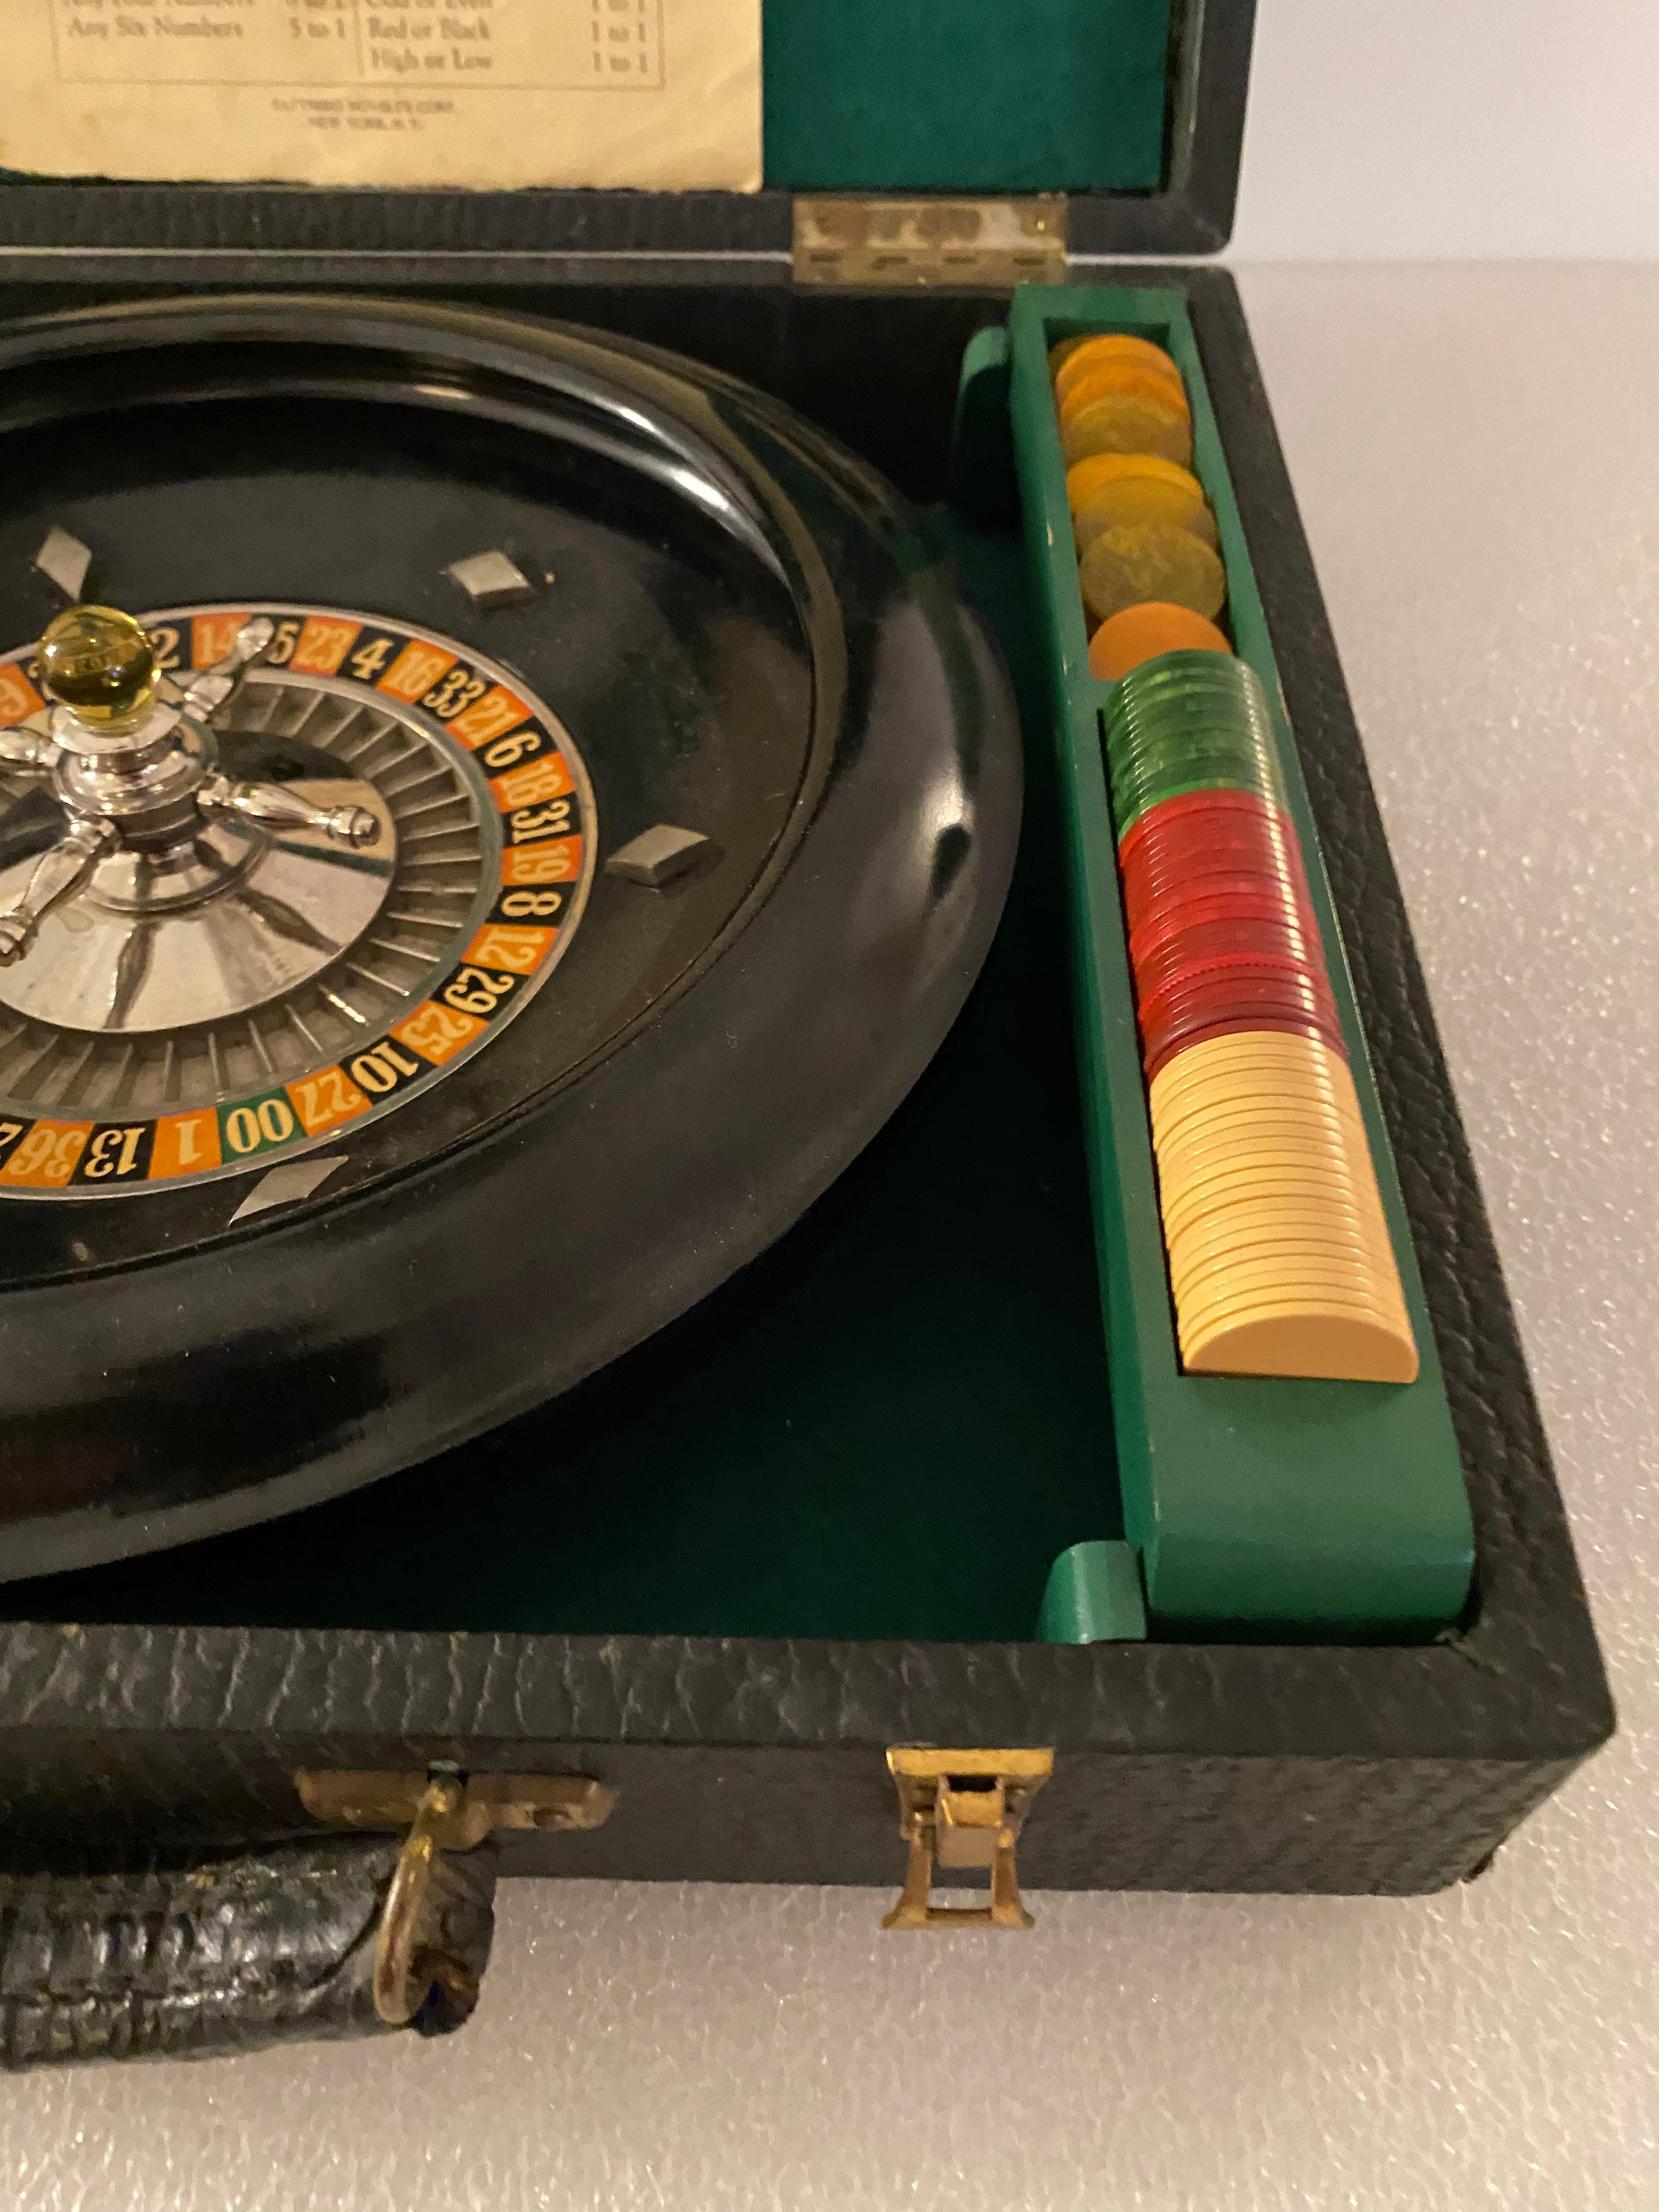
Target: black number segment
{"type": "Point", "coordinates": [530, 824]}
{"type": "Point", "coordinates": [528, 902]}
{"type": "Point", "coordinates": [371, 656]}
{"type": "Point", "coordinates": [381, 1069]}
{"type": "Point", "coordinates": [478, 991]}
{"type": "Point", "coordinates": [116, 1153]}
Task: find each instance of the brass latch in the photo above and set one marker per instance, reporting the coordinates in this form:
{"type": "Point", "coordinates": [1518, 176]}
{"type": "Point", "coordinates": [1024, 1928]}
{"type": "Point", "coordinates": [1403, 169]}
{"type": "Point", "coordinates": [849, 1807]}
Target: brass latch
{"type": "Point", "coordinates": [963, 1808]}
{"type": "Point", "coordinates": [442, 1812]}
{"type": "Point", "coordinates": [979, 243]}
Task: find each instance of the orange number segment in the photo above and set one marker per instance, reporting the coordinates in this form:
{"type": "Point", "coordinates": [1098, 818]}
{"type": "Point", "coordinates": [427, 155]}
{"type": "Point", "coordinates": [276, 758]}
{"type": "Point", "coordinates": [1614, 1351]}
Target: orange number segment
{"type": "Point", "coordinates": [45, 1158]}
{"type": "Point", "coordinates": [559, 861]}
{"type": "Point", "coordinates": [529, 786]}
{"type": "Point", "coordinates": [211, 637]}
{"type": "Point", "coordinates": [185, 1144]}
{"type": "Point", "coordinates": [323, 1101]}
{"type": "Point", "coordinates": [494, 715]}
{"type": "Point", "coordinates": [322, 646]}
{"type": "Point", "coordinates": [437, 1033]}
{"type": "Point", "coordinates": [522, 950]}
{"type": "Point", "coordinates": [415, 671]}
{"type": "Point", "coordinates": [18, 697]}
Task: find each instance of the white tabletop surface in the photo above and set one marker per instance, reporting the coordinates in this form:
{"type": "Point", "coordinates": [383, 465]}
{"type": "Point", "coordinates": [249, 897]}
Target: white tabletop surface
{"type": "Point", "coordinates": [1477, 452]}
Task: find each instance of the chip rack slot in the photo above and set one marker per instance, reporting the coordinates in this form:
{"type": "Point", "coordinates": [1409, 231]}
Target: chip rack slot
{"type": "Point", "coordinates": [1257, 1506]}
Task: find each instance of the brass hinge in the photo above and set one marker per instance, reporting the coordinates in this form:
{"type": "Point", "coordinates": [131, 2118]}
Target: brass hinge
{"type": "Point", "coordinates": [883, 243]}
{"type": "Point", "coordinates": [963, 1808]}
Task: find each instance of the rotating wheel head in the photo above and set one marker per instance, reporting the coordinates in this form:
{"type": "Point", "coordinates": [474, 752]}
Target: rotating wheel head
{"type": "Point", "coordinates": [99, 663]}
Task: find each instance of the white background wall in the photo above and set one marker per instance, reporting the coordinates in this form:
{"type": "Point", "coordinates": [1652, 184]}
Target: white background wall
{"type": "Point", "coordinates": [1453, 130]}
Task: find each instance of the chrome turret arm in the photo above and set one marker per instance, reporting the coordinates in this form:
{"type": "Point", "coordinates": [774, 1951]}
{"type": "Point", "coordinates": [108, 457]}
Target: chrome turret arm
{"type": "Point", "coordinates": [125, 747]}
{"type": "Point", "coordinates": [57, 875]}
{"type": "Point", "coordinates": [274, 806]}
{"type": "Point", "coordinates": [29, 745]}
{"type": "Point", "coordinates": [204, 694]}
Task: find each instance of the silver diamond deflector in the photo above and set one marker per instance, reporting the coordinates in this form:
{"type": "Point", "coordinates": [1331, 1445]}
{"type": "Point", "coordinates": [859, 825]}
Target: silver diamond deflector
{"type": "Point", "coordinates": [64, 560]}
{"type": "Point", "coordinates": [492, 579]}
{"type": "Point", "coordinates": [658, 856]}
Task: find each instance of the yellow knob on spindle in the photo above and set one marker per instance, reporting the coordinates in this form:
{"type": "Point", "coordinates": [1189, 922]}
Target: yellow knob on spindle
{"type": "Point", "coordinates": [99, 663]}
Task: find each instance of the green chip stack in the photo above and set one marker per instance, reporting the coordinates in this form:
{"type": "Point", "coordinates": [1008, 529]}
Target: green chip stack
{"type": "Point", "coordinates": [1186, 722]}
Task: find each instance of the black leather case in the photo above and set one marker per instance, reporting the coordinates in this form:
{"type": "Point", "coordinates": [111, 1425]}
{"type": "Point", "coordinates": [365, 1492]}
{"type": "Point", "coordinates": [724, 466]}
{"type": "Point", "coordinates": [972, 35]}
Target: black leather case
{"type": "Point", "coordinates": [1177, 1767]}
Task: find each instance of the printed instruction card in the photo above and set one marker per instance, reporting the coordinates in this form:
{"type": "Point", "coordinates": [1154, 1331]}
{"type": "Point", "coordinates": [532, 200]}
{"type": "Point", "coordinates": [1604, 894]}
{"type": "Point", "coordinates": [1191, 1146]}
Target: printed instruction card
{"type": "Point", "coordinates": [658, 94]}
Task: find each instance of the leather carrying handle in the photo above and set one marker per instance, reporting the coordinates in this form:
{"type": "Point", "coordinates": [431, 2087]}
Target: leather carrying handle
{"type": "Point", "coordinates": [229, 1955]}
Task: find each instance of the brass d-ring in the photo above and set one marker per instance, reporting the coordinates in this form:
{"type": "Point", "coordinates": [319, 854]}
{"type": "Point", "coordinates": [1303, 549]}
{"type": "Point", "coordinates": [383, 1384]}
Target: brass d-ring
{"type": "Point", "coordinates": [397, 1997]}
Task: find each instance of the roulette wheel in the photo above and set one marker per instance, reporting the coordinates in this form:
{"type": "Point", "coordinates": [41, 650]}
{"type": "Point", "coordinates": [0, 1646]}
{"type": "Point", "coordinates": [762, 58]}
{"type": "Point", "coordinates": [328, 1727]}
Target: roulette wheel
{"type": "Point", "coordinates": [492, 819]}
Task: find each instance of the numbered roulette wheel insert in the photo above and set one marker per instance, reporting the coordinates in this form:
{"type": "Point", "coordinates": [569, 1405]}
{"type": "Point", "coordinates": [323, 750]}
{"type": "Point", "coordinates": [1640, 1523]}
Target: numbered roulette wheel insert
{"type": "Point", "coordinates": [492, 820]}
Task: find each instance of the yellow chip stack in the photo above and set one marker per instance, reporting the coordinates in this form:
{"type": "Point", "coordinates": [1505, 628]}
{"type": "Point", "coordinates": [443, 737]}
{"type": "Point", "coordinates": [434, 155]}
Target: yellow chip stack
{"type": "Point", "coordinates": [1145, 532]}
{"type": "Point", "coordinates": [1279, 1256]}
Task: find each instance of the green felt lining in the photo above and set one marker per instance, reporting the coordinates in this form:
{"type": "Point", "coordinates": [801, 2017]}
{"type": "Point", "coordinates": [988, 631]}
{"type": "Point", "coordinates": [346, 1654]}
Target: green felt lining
{"type": "Point", "coordinates": [966, 95]}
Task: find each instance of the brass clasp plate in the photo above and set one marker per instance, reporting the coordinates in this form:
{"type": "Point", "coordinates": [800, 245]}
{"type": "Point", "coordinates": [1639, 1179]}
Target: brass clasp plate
{"type": "Point", "coordinates": [889, 242]}
{"type": "Point", "coordinates": [963, 1808]}
{"type": "Point", "coordinates": [441, 1813]}
{"type": "Point", "coordinates": [483, 1805]}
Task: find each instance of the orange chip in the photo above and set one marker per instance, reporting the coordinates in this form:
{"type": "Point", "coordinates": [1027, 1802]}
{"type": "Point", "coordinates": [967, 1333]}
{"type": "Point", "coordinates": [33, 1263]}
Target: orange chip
{"type": "Point", "coordinates": [1134, 561]}
{"type": "Point", "coordinates": [1128, 422]}
{"type": "Point", "coordinates": [1082, 358]}
{"type": "Point", "coordinates": [1090, 476]}
{"type": "Point", "coordinates": [1061, 351]}
{"type": "Point", "coordinates": [1144, 499]}
{"type": "Point", "coordinates": [1121, 376]}
{"type": "Point", "coordinates": [1142, 633]}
